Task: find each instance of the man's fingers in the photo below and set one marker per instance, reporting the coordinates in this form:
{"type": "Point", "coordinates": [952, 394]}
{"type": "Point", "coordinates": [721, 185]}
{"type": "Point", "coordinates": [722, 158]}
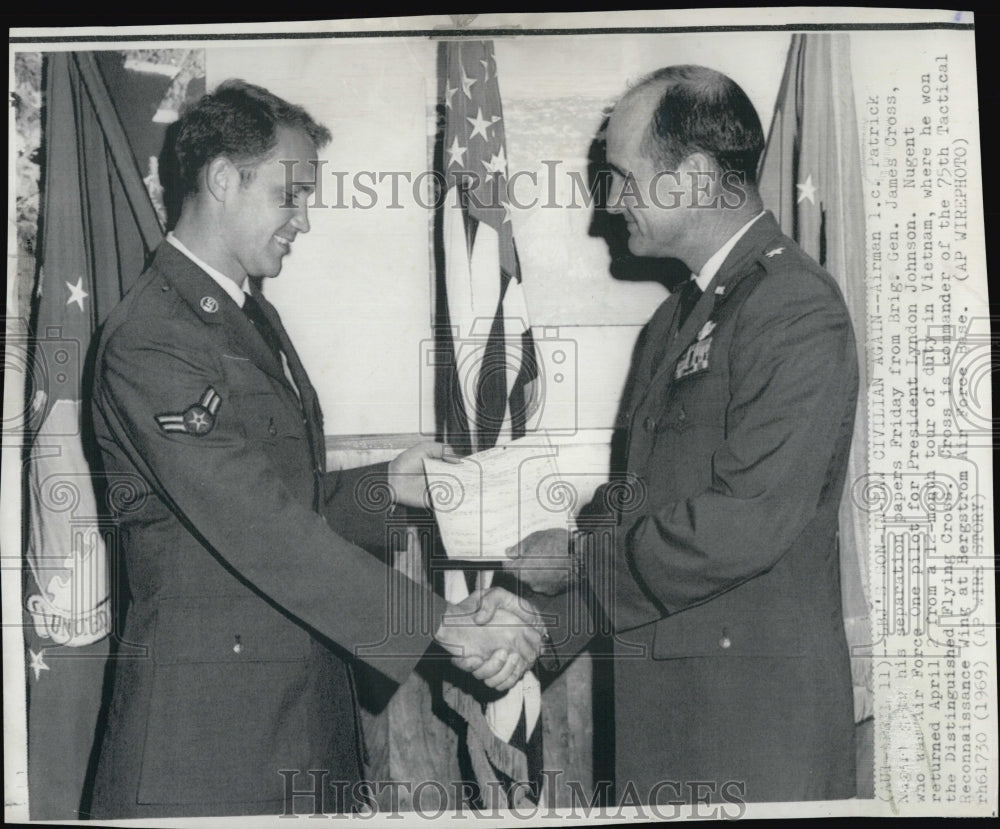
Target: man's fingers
{"type": "Point", "coordinates": [468, 663]}
{"type": "Point", "coordinates": [511, 671]}
{"type": "Point", "coordinates": [513, 680]}
{"type": "Point", "coordinates": [492, 665]}
{"type": "Point", "coordinates": [489, 602]}
{"type": "Point", "coordinates": [498, 598]}
{"type": "Point", "coordinates": [539, 544]}
{"type": "Point", "coordinates": [528, 643]}
{"type": "Point", "coordinates": [433, 449]}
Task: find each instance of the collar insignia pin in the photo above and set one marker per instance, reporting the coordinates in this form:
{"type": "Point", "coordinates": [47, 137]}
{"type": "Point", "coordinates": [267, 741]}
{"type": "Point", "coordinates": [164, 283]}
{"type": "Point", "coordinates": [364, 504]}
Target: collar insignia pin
{"type": "Point", "coordinates": [706, 329]}
{"type": "Point", "coordinates": [772, 253]}
{"type": "Point", "coordinates": [209, 304]}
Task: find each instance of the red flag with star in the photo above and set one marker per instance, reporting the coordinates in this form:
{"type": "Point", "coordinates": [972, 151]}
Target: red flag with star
{"type": "Point", "coordinates": [488, 392]}
{"type": "Point", "coordinates": [810, 176]}
{"type": "Point", "coordinates": [99, 226]}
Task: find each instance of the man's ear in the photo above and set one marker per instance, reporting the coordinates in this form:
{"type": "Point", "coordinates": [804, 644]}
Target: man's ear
{"type": "Point", "coordinates": [698, 162]}
{"type": "Point", "coordinates": [701, 174]}
{"type": "Point", "coordinates": [221, 176]}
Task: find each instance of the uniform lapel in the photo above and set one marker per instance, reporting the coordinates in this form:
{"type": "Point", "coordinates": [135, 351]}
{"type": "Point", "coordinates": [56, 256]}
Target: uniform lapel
{"type": "Point", "coordinates": [215, 307]}
{"type": "Point", "coordinates": [657, 334]}
{"type": "Point", "coordinates": [246, 339]}
{"type": "Point", "coordinates": [307, 394]}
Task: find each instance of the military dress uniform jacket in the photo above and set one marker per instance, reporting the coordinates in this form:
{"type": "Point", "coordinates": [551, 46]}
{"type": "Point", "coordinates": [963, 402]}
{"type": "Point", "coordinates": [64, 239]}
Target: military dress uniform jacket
{"type": "Point", "coordinates": [246, 602]}
{"type": "Point", "coordinates": [731, 660]}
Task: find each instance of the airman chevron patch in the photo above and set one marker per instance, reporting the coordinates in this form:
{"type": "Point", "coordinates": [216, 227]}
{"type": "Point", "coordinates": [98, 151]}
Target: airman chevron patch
{"type": "Point", "coordinates": [197, 419]}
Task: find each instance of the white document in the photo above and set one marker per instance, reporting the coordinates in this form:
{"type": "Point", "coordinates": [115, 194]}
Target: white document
{"type": "Point", "coordinates": [487, 502]}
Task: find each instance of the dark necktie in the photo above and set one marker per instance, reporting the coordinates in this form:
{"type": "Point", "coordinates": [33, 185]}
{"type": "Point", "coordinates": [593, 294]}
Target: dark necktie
{"type": "Point", "coordinates": [690, 294]}
{"type": "Point", "coordinates": [263, 325]}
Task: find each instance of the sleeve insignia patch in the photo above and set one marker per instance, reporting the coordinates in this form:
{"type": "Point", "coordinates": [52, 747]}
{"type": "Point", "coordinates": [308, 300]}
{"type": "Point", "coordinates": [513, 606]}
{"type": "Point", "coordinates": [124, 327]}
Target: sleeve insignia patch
{"type": "Point", "coordinates": [197, 419]}
{"type": "Point", "coordinates": [776, 252]}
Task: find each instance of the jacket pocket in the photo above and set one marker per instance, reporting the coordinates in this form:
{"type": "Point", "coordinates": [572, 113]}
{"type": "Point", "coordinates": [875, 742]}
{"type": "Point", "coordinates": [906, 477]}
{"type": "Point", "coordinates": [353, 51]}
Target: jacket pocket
{"type": "Point", "coordinates": [269, 417]}
{"type": "Point", "coordinates": [229, 703]}
{"type": "Point", "coordinates": [226, 630]}
{"type": "Point", "coordinates": [716, 629]}
{"type": "Point", "coordinates": [697, 402]}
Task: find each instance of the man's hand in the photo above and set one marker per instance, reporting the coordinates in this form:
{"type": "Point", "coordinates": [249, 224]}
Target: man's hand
{"type": "Point", "coordinates": [406, 473]}
{"type": "Point", "coordinates": [544, 562]}
{"type": "Point", "coordinates": [500, 649]}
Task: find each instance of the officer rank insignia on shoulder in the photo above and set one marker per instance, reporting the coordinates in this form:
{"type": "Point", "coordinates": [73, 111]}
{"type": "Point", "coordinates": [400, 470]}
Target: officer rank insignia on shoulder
{"type": "Point", "coordinates": [197, 419]}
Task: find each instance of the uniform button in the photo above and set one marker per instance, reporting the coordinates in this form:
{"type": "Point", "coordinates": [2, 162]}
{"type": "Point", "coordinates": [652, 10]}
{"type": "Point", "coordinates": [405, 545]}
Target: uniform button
{"type": "Point", "coordinates": [725, 642]}
{"type": "Point", "coordinates": [164, 288]}
{"type": "Point", "coordinates": [237, 645]}
{"type": "Point", "coordinates": [649, 424]}
{"type": "Point", "coordinates": [682, 416]}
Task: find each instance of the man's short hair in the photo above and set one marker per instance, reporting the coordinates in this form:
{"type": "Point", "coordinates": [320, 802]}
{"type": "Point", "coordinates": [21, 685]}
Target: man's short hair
{"type": "Point", "coordinates": [239, 121]}
{"type": "Point", "coordinates": [702, 110]}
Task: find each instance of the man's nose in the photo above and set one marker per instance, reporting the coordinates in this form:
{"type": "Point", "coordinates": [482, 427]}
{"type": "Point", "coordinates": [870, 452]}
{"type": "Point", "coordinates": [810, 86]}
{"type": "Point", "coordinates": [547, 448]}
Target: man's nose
{"type": "Point", "coordinates": [300, 221]}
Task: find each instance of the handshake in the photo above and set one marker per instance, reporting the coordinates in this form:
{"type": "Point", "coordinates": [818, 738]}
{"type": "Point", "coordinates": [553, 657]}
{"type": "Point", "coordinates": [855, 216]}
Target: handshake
{"type": "Point", "coordinates": [494, 635]}
{"type": "Point", "coordinates": [497, 636]}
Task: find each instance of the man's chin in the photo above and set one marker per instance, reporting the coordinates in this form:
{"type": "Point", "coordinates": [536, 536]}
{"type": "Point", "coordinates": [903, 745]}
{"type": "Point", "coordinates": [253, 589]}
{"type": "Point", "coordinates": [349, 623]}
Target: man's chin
{"type": "Point", "coordinates": [271, 270]}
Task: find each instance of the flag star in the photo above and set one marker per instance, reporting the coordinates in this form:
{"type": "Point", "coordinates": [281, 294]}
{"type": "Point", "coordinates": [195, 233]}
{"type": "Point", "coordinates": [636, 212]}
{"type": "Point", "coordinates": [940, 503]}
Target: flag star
{"type": "Point", "coordinates": [807, 190]}
{"type": "Point", "coordinates": [76, 293]}
{"type": "Point", "coordinates": [486, 69]}
{"type": "Point", "coordinates": [497, 164]}
{"type": "Point", "coordinates": [506, 211]}
{"type": "Point", "coordinates": [37, 662]}
{"type": "Point", "coordinates": [457, 153]}
{"type": "Point", "coordinates": [467, 83]}
{"type": "Point", "coordinates": [449, 93]}
{"type": "Point", "coordinates": [479, 125]}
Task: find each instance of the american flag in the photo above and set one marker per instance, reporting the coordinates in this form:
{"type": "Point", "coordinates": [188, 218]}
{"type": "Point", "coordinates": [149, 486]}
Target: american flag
{"type": "Point", "coordinates": [487, 393]}
{"type": "Point", "coordinates": [494, 349]}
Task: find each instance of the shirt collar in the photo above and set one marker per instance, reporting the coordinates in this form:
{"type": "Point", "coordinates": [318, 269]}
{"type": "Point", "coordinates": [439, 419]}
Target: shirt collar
{"type": "Point", "coordinates": [237, 292]}
{"type": "Point", "coordinates": [711, 267]}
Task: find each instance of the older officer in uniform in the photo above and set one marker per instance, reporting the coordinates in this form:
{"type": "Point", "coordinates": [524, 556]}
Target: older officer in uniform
{"type": "Point", "coordinates": [249, 595]}
{"type": "Point", "coordinates": [732, 678]}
